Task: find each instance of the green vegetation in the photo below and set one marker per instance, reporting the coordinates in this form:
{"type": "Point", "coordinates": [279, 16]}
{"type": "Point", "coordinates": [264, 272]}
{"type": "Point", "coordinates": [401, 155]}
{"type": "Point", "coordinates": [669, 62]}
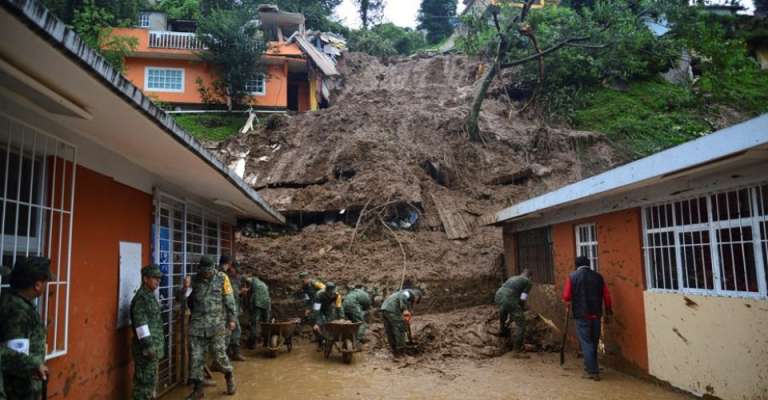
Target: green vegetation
{"type": "Point", "coordinates": [437, 18]}
{"type": "Point", "coordinates": [386, 40]}
{"type": "Point", "coordinates": [215, 127]}
{"type": "Point", "coordinates": [648, 117]}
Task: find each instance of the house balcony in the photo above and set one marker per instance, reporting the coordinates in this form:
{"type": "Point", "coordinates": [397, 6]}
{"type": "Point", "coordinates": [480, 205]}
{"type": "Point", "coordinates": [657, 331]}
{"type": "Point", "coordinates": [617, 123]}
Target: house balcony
{"type": "Point", "coordinates": [174, 40]}
{"type": "Point", "coordinates": [162, 44]}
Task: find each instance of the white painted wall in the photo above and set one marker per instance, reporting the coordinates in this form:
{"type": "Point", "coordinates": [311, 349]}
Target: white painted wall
{"type": "Point", "coordinates": [709, 345]}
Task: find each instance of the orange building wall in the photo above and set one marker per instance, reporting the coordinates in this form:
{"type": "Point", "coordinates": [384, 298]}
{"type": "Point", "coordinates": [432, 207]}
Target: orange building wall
{"type": "Point", "coordinates": [97, 365]}
{"type": "Point", "coordinates": [277, 81]}
{"type": "Point", "coordinates": [619, 236]}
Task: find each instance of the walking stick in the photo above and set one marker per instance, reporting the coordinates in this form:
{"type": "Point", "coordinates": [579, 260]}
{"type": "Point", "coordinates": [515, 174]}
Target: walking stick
{"type": "Point", "coordinates": [565, 334]}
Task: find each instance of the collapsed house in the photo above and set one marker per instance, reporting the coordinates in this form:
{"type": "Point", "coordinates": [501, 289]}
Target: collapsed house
{"type": "Point", "coordinates": [97, 178]}
{"type": "Point", "coordinates": [167, 64]}
{"type": "Point", "coordinates": [681, 238]}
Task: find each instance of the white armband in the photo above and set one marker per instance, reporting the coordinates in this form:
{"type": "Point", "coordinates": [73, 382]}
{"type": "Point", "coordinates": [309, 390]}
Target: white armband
{"type": "Point", "coordinates": [142, 331]}
{"type": "Point", "coordinates": [188, 292]}
{"type": "Point", "coordinates": [19, 345]}
{"type": "Point", "coordinates": [524, 296]}
{"type": "Point", "coordinates": [316, 306]}
{"type": "Point", "coordinates": [407, 294]}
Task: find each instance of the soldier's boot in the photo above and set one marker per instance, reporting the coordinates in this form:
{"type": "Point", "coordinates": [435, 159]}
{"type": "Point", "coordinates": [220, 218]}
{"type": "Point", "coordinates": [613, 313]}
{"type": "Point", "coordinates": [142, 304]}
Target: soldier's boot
{"type": "Point", "coordinates": [234, 353]}
{"type": "Point", "coordinates": [231, 387]}
{"type": "Point", "coordinates": [251, 343]}
{"type": "Point", "coordinates": [197, 391]}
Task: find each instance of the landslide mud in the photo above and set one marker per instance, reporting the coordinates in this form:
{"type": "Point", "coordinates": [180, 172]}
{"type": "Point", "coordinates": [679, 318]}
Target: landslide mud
{"type": "Point", "coordinates": [305, 374]}
{"type": "Point", "coordinates": [393, 141]}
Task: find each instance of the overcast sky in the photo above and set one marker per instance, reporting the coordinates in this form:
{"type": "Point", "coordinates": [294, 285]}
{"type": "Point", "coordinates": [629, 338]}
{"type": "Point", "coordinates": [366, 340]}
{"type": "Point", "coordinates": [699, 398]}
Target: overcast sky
{"type": "Point", "coordinates": [403, 12]}
{"type": "Point", "coordinates": [399, 12]}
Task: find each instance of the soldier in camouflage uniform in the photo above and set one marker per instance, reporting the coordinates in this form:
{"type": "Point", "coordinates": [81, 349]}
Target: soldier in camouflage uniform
{"type": "Point", "coordinates": [258, 306]}
{"type": "Point", "coordinates": [309, 289]}
{"type": "Point", "coordinates": [211, 300]}
{"type": "Point", "coordinates": [22, 331]}
{"type": "Point", "coordinates": [395, 309]}
{"type": "Point", "coordinates": [326, 308]}
{"type": "Point", "coordinates": [233, 342]}
{"type": "Point", "coordinates": [148, 340]}
{"type": "Point", "coordinates": [511, 298]}
{"type": "Point", "coordinates": [356, 304]}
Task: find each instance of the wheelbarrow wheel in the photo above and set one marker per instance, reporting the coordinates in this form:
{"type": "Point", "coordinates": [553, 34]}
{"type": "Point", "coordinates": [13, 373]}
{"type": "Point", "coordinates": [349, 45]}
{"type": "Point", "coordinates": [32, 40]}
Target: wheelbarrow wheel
{"type": "Point", "coordinates": [273, 343]}
{"type": "Point", "coordinates": [346, 353]}
{"type": "Point", "coordinates": [289, 343]}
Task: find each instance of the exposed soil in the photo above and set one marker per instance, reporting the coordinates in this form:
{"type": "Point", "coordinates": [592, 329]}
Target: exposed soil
{"type": "Point", "coordinates": [392, 144]}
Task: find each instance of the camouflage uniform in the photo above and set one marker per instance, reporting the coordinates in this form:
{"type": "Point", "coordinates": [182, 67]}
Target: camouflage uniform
{"type": "Point", "coordinates": [212, 304]}
{"type": "Point", "coordinates": [148, 340]}
{"type": "Point", "coordinates": [392, 313]}
{"type": "Point", "coordinates": [327, 306]}
{"type": "Point", "coordinates": [258, 305]}
{"type": "Point", "coordinates": [511, 306]}
{"type": "Point", "coordinates": [22, 327]}
{"type": "Point", "coordinates": [233, 341]}
{"type": "Point", "coordinates": [356, 303]}
{"type": "Point", "coordinates": [309, 290]}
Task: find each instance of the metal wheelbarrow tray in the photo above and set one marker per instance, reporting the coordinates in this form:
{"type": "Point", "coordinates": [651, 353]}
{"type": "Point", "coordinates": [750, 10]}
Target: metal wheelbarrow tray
{"type": "Point", "coordinates": [278, 333]}
{"type": "Point", "coordinates": [341, 335]}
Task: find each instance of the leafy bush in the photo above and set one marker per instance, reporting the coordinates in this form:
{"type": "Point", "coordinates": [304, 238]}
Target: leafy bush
{"type": "Point", "coordinates": [93, 23]}
{"type": "Point", "coordinates": [386, 40]}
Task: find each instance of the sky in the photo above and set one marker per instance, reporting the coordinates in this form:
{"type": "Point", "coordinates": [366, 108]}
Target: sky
{"type": "Point", "coordinates": [403, 12]}
{"type": "Point", "coordinates": [400, 12]}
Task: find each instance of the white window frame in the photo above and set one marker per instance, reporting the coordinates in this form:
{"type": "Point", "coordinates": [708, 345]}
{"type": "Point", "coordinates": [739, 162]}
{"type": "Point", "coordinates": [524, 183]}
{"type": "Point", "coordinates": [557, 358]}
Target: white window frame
{"type": "Point", "coordinates": [55, 208]}
{"type": "Point", "coordinates": [263, 92]}
{"type": "Point", "coordinates": [592, 244]}
{"type": "Point", "coordinates": [144, 20]}
{"type": "Point", "coordinates": [146, 79]}
{"type": "Point", "coordinates": [758, 241]}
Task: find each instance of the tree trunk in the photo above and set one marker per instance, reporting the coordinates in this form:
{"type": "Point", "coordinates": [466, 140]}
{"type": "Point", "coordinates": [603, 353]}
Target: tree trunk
{"type": "Point", "coordinates": [477, 104]}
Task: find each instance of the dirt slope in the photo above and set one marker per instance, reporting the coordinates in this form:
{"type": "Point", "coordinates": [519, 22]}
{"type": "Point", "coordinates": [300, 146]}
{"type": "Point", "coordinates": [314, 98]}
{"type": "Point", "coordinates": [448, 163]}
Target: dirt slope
{"type": "Point", "coordinates": [393, 140]}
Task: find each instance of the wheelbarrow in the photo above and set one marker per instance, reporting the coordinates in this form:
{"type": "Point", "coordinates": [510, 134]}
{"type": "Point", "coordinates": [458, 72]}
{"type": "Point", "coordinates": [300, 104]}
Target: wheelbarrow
{"type": "Point", "coordinates": [342, 336]}
{"type": "Point", "coordinates": [278, 333]}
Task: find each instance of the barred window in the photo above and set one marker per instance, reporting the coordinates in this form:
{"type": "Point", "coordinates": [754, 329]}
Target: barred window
{"type": "Point", "coordinates": [586, 243]}
{"type": "Point", "coordinates": [256, 86]}
{"type": "Point", "coordinates": [713, 244]}
{"type": "Point", "coordinates": [534, 251]}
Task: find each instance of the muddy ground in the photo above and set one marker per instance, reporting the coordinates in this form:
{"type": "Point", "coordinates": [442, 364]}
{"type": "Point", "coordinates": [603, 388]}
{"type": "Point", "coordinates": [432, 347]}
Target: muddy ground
{"type": "Point", "coordinates": [392, 148]}
{"type": "Point", "coordinates": [305, 374]}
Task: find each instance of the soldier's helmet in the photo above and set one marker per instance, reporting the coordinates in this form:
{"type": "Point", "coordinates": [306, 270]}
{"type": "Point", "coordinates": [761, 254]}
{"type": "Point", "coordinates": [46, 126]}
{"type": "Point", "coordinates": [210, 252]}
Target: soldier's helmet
{"type": "Point", "coordinates": [152, 271]}
{"type": "Point", "coordinates": [330, 287]}
{"type": "Point", "coordinates": [206, 264]}
{"type": "Point", "coordinates": [303, 274]}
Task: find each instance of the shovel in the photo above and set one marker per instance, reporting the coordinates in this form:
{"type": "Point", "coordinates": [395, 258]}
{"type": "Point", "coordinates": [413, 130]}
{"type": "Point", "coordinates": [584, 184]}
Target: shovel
{"type": "Point", "coordinates": [565, 334]}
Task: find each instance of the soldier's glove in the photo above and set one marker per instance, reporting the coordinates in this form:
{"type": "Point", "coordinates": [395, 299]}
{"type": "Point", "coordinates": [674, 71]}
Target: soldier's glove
{"type": "Point", "coordinates": [149, 354]}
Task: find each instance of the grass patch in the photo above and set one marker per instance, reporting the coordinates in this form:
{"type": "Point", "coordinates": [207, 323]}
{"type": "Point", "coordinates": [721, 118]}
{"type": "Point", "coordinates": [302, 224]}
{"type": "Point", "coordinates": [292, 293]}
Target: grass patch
{"type": "Point", "coordinates": [654, 115]}
{"type": "Point", "coordinates": [648, 117]}
{"type": "Point", "coordinates": [215, 127]}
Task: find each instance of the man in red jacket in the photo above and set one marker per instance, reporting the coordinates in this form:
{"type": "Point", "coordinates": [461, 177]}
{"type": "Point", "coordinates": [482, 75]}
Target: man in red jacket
{"type": "Point", "coordinates": [587, 293]}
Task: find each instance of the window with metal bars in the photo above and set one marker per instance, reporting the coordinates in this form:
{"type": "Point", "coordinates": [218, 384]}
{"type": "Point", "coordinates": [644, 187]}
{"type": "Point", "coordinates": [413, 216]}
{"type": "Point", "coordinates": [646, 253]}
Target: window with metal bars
{"type": "Point", "coordinates": [586, 243]}
{"type": "Point", "coordinates": [534, 251]}
{"type": "Point", "coordinates": [712, 244]}
{"type": "Point", "coordinates": [37, 182]}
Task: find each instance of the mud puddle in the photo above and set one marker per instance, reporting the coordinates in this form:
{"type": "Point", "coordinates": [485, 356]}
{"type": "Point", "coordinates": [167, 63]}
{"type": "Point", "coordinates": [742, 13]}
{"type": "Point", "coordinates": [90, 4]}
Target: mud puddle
{"type": "Point", "coordinates": [304, 373]}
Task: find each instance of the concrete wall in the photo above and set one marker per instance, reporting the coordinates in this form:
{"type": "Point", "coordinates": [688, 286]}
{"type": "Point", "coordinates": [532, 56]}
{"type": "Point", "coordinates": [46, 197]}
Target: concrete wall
{"type": "Point", "coordinates": [135, 70]}
{"type": "Point", "coordinates": [106, 212]}
{"type": "Point", "coordinates": [620, 257]}
{"type": "Point", "coordinates": [709, 345]}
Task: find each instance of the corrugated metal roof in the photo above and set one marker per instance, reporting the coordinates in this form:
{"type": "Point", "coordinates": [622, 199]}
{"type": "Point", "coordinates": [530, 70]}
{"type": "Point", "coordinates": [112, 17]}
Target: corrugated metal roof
{"type": "Point", "coordinates": [321, 60]}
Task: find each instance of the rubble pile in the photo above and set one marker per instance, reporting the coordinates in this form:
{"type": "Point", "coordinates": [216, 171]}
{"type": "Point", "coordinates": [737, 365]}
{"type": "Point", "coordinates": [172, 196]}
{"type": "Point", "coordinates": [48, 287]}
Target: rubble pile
{"type": "Point", "coordinates": [384, 185]}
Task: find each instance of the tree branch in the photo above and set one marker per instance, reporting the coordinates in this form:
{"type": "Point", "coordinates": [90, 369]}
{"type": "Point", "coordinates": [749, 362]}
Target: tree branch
{"type": "Point", "coordinates": [564, 43]}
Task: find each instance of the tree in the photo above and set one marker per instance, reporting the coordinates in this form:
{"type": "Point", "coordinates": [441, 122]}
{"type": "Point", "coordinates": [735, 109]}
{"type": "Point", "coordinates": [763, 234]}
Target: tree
{"type": "Point", "coordinates": [371, 11]}
{"type": "Point", "coordinates": [386, 40]}
{"type": "Point", "coordinates": [235, 43]}
{"type": "Point", "coordinates": [607, 41]}
{"type": "Point", "coordinates": [436, 17]}
{"type": "Point", "coordinates": [180, 9]}
{"type": "Point", "coordinates": [761, 7]}
{"type": "Point", "coordinates": [93, 24]}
